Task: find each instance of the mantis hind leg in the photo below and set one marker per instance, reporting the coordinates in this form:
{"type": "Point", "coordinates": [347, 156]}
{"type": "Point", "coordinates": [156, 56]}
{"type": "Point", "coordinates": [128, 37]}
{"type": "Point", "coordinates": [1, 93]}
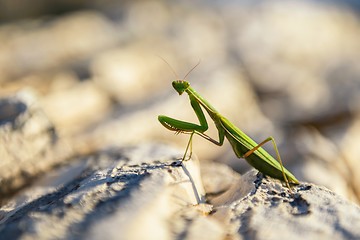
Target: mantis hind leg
{"type": "Point", "coordinates": [189, 145]}
{"type": "Point", "coordinates": [277, 156]}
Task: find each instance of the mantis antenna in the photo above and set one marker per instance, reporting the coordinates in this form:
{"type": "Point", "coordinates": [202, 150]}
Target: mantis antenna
{"type": "Point", "coordinates": [168, 64]}
{"type": "Point", "coordinates": [192, 69]}
{"type": "Point", "coordinates": [176, 76]}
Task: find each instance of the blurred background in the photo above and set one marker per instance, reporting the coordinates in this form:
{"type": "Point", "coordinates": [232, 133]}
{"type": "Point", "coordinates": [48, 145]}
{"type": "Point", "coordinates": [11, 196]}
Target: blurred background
{"type": "Point", "coordinates": [287, 69]}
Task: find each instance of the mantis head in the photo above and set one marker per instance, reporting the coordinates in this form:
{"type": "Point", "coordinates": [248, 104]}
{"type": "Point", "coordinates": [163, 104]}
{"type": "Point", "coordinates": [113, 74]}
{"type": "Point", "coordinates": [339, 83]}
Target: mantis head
{"type": "Point", "coordinates": [180, 86]}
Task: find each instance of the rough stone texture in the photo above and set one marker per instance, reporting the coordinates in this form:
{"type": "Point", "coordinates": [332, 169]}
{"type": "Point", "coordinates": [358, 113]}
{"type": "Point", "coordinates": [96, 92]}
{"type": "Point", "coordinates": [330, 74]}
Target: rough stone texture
{"type": "Point", "coordinates": [261, 208]}
{"type": "Point", "coordinates": [28, 142]}
{"type": "Point", "coordinates": [131, 193]}
{"type": "Point", "coordinates": [144, 192]}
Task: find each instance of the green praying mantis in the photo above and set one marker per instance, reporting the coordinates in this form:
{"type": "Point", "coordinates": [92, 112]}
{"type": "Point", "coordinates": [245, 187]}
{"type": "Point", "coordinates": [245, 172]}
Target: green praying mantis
{"type": "Point", "coordinates": [242, 145]}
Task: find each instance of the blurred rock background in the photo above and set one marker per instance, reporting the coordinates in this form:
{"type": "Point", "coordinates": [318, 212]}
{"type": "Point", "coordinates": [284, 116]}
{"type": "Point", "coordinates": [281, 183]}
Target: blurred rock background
{"type": "Point", "coordinates": [288, 69]}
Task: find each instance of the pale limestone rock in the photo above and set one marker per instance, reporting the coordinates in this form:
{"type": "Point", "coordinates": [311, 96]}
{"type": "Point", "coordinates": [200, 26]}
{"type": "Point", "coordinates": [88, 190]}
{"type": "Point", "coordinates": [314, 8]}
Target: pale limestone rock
{"type": "Point", "coordinates": [129, 193]}
{"type": "Point", "coordinates": [74, 109]}
{"type": "Point", "coordinates": [29, 145]}
{"type": "Point", "coordinates": [267, 210]}
{"type": "Point", "coordinates": [144, 192]}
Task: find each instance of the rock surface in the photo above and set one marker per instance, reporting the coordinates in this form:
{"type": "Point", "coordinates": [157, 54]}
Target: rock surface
{"type": "Point", "coordinates": [131, 193]}
{"type": "Point", "coordinates": [266, 210]}
{"type": "Point", "coordinates": [29, 144]}
{"type": "Point", "coordinates": [144, 192]}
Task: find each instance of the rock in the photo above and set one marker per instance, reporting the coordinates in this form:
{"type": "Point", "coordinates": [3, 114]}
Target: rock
{"type": "Point", "coordinates": [258, 207]}
{"type": "Point", "coordinates": [145, 192]}
{"type": "Point", "coordinates": [71, 115]}
{"type": "Point", "coordinates": [127, 193]}
{"type": "Point", "coordinates": [28, 142]}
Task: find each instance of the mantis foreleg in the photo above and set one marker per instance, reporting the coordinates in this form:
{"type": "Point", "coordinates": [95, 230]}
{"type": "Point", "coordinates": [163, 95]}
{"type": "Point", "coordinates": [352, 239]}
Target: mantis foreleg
{"type": "Point", "coordinates": [186, 127]}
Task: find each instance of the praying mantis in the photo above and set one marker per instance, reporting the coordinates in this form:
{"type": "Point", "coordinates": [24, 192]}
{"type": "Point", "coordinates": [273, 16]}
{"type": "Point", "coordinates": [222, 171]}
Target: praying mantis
{"type": "Point", "coordinates": [242, 145]}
